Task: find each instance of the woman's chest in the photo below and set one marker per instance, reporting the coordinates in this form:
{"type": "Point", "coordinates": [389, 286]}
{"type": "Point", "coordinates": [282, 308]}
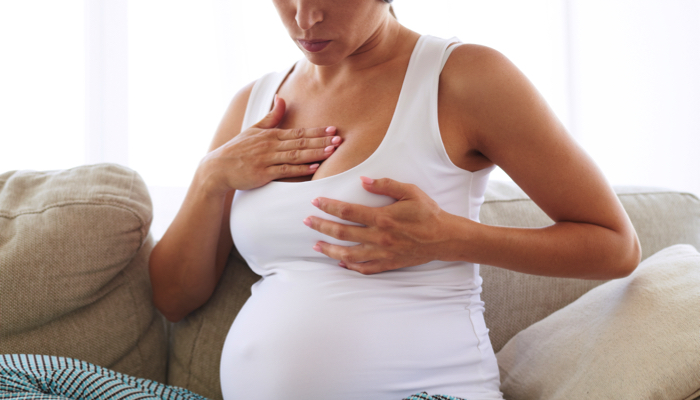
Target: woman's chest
{"type": "Point", "coordinates": [362, 117]}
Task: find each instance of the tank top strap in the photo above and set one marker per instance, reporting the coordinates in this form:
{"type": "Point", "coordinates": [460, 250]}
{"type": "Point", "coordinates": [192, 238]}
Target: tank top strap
{"type": "Point", "coordinates": [449, 50]}
{"type": "Point", "coordinates": [261, 97]}
{"type": "Point", "coordinates": [416, 129]}
{"type": "Point", "coordinates": [424, 68]}
{"type": "Point", "coordinates": [431, 54]}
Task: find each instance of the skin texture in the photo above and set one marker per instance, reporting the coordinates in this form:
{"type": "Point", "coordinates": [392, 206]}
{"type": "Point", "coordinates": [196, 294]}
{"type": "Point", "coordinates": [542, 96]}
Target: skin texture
{"type": "Point", "coordinates": [488, 113]}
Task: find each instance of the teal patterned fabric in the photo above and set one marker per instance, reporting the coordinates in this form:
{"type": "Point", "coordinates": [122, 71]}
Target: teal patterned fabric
{"type": "Point", "coordinates": [425, 396]}
{"type": "Point", "coordinates": [35, 377]}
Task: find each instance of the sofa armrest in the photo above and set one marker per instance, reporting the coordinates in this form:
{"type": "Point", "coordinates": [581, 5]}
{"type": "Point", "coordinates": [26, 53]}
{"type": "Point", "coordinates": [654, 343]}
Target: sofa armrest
{"type": "Point", "coordinates": [74, 248]}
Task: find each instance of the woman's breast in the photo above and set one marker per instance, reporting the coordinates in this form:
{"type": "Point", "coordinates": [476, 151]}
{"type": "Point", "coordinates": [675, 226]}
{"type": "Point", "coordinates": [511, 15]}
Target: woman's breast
{"type": "Point", "coordinates": [267, 223]}
{"type": "Point", "coordinates": [268, 230]}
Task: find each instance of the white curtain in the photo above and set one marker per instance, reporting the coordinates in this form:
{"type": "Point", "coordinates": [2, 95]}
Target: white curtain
{"type": "Point", "coordinates": [144, 83]}
{"type": "Point", "coordinates": [42, 84]}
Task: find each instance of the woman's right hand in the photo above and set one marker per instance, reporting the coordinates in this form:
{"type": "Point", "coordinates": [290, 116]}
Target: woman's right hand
{"type": "Point", "coordinates": [263, 153]}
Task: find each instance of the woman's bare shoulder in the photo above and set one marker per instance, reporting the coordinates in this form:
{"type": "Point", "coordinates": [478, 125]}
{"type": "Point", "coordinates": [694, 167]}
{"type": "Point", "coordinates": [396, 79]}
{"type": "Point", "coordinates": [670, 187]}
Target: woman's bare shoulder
{"type": "Point", "coordinates": [232, 120]}
{"type": "Point", "coordinates": [471, 53]}
{"type": "Point", "coordinates": [475, 70]}
{"type": "Point", "coordinates": [482, 86]}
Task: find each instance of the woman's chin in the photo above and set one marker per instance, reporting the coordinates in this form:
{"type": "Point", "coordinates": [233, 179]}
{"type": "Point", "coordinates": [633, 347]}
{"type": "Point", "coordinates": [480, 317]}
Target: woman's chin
{"type": "Point", "coordinates": [320, 59]}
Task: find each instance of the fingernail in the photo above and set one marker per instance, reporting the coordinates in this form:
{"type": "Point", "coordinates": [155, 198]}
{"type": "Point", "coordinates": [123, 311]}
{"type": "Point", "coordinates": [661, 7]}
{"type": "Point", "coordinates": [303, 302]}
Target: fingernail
{"type": "Point", "coordinates": [317, 247]}
{"type": "Point", "coordinates": [342, 264]}
{"type": "Point", "coordinates": [315, 202]}
{"type": "Point", "coordinates": [330, 129]}
{"type": "Point", "coordinates": [328, 149]}
{"type": "Point", "coordinates": [275, 99]}
{"type": "Point", "coordinates": [307, 221]}
{"type": "Point", "coordinates": [335, 140]}
{"type": "Point", "coordinates": [366, 180]}
{"type": "Point", "coordinates": [314, 166]}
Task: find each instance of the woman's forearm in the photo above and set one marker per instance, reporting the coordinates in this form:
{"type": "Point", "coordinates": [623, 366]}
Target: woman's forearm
{"type": "Point", "coordinates": [415, 230]}
{"type": "Point", "coordinates": [565, 249]}
{"type": "Point", "coordinates": [185, 265]}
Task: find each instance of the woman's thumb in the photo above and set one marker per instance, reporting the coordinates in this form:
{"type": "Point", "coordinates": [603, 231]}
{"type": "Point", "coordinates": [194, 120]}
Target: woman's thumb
{"type": "Point", "coordinates": [273, 118]}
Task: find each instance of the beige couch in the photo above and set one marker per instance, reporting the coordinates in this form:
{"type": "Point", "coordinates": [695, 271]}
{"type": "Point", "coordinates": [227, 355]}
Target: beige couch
{"type": "Point", "coordinates": [74, 248]}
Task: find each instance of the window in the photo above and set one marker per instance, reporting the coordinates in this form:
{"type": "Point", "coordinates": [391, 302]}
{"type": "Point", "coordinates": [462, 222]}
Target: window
{"type": "Point", "coordinates": [145, 83]}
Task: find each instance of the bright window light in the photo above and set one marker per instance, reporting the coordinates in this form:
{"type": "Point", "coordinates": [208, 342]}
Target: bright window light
{"type": "Point", "coordinates": [42, 84]}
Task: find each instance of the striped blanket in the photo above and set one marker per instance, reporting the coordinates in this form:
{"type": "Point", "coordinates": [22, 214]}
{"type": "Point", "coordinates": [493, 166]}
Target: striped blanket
{"type": "Point", "coordinates": [34, 377]}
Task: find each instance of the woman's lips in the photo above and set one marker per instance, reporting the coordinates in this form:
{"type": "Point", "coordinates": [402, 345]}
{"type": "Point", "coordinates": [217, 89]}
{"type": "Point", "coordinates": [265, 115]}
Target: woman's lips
{"type": "Point", "coordinates": [313, 45]}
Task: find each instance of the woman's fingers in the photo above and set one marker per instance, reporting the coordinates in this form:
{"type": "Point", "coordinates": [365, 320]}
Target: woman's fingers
{"type": "Point", "coordinates": [300, 133]}
{"type": "Point", "coordinates": [348, 233]}
{"type": "Point", "coordinates": [361, 258]}
{"type": "Point", "coordinates": [309, 143]}
{"type": "Point", "coordinates": [405, 233]}
{"type": "Point", "coordinates": [347, 211]}
{"type": "Point", "coordinates": [301, 156]}
{"type": "Point", "coordinates": [303, 146]}
{"type": "Point", "coordinates": [290, 170]}
{"type": "Point", "coordinates": [264, 152]}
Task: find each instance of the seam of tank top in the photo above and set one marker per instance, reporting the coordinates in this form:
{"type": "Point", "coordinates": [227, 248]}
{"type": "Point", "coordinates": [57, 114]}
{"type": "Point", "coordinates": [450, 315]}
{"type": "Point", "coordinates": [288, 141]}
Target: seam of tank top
{"type": "Point", "coordinates": [470, 205]}
{"type": "Point", "coordinates": [410, 71]}
{"type": "Point", "coordinates": [436, 133]}
{"type": "Point", "coordinates": [479, 344]}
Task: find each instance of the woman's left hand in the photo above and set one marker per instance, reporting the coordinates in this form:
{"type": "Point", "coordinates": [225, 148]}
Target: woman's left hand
{"type": "Point", "coordinates": [406, 233]}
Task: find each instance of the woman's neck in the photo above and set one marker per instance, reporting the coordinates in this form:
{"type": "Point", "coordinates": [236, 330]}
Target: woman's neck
{"type": "Point", "coordinates": [389, 42]}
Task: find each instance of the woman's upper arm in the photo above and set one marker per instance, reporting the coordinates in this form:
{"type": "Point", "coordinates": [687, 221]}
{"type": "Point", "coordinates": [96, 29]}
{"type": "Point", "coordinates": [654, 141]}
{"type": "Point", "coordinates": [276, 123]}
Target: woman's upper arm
{"type": "Point", "coordinates": [509, 122]}
{"type": "Point", "coordinates": [230, 126]}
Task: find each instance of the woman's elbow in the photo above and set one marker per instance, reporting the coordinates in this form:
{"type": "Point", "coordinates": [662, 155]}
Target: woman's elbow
{"type": "Point", "coordinates": [172, 301]}
{"type": "Point", "coordinates": [630, 254]}
{"type": "Point", "coordinates": [170, 313]}
{"type": "Point", "coordinates": [166, 302]}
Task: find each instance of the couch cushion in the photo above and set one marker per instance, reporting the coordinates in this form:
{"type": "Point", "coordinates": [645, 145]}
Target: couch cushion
{"type": "Point", "coordinates": [197, 340]}
{"type": "Point", "coordinates": [74, 250]}
{"type": "Point", "coordinates": [631, 338]}
{"type": "Point", "coordinates": [515, 301]}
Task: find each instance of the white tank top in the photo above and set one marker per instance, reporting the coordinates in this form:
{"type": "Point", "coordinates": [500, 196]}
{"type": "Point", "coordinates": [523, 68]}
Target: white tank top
{"type": "Point", "coordinates": [314, 330]}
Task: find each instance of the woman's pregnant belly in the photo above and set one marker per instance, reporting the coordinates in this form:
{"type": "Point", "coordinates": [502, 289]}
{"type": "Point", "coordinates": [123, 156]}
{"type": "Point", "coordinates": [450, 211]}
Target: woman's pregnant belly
{"type": "Point", "coordinates": [331, 333]}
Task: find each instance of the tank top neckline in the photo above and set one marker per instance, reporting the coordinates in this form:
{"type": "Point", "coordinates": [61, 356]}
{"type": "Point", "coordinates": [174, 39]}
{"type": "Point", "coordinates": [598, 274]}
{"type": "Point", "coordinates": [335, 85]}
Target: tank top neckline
{"type": "Point", "coordinates": [397, 111]}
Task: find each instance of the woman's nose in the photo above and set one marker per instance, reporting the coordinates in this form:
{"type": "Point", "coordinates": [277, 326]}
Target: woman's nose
{"type": "Point", "coordinates": [308, 15]}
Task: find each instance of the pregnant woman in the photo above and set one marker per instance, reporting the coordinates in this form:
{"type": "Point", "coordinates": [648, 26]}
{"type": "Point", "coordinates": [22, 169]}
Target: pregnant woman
{"type": "Point", "coordinates": [351, 183]}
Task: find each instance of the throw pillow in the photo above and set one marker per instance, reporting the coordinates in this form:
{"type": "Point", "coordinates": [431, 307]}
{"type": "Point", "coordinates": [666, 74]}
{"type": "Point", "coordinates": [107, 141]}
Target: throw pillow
{"type": "Point", "coordinates": [74, 249]}
{"type": "Point", "coordinates": [631, 338]}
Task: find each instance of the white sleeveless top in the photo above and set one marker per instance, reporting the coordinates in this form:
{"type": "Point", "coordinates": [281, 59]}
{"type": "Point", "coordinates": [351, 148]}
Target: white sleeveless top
{"type": "Point", "coordinates": [314, 330]}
